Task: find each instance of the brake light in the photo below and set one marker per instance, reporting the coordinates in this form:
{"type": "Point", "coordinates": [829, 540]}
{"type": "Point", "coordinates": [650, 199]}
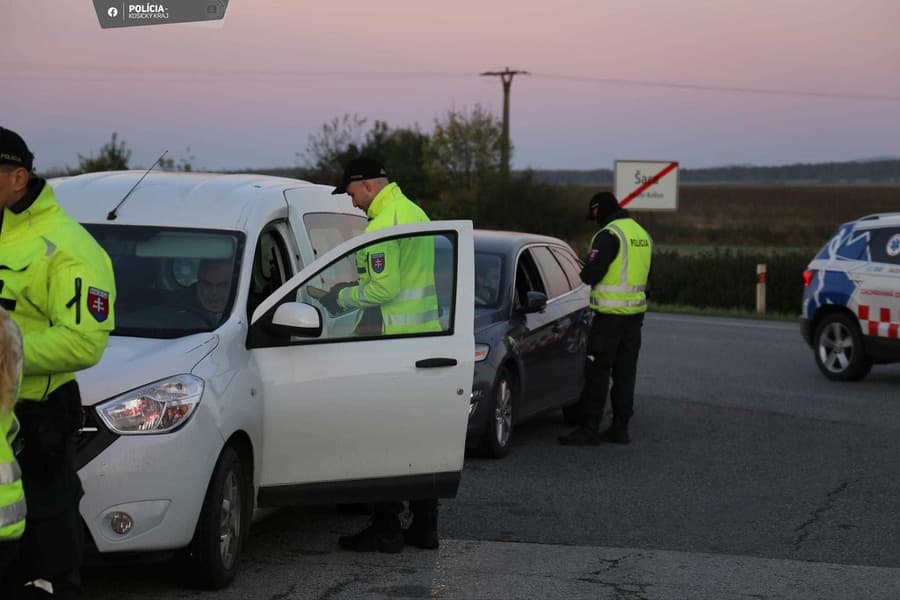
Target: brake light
{"type": "Point", "coordinates": [807, 277]}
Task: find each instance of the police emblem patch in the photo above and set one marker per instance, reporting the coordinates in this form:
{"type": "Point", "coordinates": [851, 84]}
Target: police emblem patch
{"type": "Point", "coordinates": [377, 261]}
{"type": "Point", "coordinates": [98, 304]}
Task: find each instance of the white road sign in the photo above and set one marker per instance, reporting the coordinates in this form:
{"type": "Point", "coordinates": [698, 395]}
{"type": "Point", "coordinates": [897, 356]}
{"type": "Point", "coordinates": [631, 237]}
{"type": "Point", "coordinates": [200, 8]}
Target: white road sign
{"type": "Point", "coordinates": [647, 185]}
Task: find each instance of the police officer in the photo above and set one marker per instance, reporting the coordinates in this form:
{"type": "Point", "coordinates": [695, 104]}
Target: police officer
{"type": "Point", "coordinates": [396, 295]}
{"type": "Point", "coordinates": [57, 283]}
{"type": "Point", "coordinates": [12, 496]}
{"type": "Point", "coordinates": [617, 269]}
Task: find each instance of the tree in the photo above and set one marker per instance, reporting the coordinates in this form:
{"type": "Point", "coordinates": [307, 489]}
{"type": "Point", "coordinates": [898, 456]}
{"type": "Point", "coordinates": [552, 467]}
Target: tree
{"type": "Point", "coordinates": [330, 148]}
{"type": "Point", "coordinates": [184, 164]}
{"type": "Point", "coordinates": [114, 156]}
{"type": "Point", "coordinates": [463, 161]}
{"type": "Point", "coordinates": [465, 148]}
{"type": "Point", "coordinates": [403, 151]}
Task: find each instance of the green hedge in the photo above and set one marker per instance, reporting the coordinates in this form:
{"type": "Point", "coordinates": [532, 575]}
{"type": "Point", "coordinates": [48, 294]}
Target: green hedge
{"type": "Point", "coordinates": [727, 279]}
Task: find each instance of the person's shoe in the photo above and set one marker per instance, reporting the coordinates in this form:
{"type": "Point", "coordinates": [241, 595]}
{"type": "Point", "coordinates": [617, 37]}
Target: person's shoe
{"type": "Point", "coordinates": [421, 537]}
{"type": "Point", "coordinates": [583, 436]}
{"type": "Point", "coordinates": [616, 434]}
{"type": "Point", "coordinates": [373, 539]}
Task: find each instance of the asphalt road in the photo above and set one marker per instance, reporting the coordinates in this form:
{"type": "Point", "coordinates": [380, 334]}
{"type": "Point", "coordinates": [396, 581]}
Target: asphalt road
{"type": "Point", "coordinates": [749, 476]}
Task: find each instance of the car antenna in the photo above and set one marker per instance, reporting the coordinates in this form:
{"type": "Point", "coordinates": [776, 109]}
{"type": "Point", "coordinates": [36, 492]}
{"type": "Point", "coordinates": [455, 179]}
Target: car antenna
{"type": "Point", "coordinates": [112, 214]}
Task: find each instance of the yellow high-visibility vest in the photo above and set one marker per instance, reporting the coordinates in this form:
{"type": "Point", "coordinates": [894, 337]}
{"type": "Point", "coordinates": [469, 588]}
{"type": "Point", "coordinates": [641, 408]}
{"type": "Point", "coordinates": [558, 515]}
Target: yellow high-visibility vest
{"type": "Point", "coordinates": [622, 291]}
{"type": "Point", "coordinates": [12, 496]}
{"type": "Point", "coordinates": [397, 276]}
{"type": "Point", "coordinates": [57, 284]}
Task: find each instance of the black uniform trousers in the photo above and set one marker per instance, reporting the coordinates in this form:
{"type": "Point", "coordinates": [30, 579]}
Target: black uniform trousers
{"type": "Point", "coordinates": [53, 545]}
{"type": "Point", "coordinates": [614, 343]}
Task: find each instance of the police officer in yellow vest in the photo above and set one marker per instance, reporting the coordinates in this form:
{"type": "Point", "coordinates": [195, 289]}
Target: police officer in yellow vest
{"type": "Point", "coordinates": [617, 269]}
{"type": "Point", "coordinates": [57, 283]}
{"type": "Point", "coordinates": [395, 287]}
{"type": "Point", "coordinates": [12, 496]}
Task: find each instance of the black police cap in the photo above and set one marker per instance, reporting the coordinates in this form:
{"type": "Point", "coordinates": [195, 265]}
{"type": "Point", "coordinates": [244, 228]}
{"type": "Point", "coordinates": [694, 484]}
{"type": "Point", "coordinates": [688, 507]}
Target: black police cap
{"type": "Point", "coordinates": [359, 169]}
{"type": "Point", "coordinates": [14, 151]}
{"type": "Point", "coordinates": [604, 202]}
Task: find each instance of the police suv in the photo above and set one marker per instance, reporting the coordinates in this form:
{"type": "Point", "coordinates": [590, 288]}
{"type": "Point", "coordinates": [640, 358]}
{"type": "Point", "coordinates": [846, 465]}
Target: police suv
{"type": "Point", "coordinates": [851, 301]}
{"type": "Point", "coordinates": [227, 387]}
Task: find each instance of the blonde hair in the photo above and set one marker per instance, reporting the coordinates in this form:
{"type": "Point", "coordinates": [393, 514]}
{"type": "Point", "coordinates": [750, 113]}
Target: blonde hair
{"type": "Point", "coordinates": [10, 361]}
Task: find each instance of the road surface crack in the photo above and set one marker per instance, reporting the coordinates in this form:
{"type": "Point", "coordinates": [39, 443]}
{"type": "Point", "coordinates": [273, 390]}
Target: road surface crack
{"type": "Point", "coordinates": [804, 528]}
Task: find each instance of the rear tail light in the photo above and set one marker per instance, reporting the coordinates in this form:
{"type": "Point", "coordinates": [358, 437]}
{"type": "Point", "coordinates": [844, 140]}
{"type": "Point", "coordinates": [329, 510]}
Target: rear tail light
{"type": "Point", "coordinates": [807, 277]}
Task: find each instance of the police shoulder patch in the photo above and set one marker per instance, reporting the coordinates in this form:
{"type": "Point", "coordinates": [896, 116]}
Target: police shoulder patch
{"type": "Point", "coordinates": [98, 303]}
{"type": "Point", "coordinates": [377, 261]}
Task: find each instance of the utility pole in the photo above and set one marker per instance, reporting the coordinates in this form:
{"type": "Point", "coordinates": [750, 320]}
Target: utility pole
{"type": "Point", "coordinates": [506, 76]}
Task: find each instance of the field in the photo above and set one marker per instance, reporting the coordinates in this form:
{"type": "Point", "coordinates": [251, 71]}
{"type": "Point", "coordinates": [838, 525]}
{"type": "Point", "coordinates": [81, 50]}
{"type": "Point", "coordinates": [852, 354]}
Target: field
{"type": "Point", "coordinates": [756, 216]}
{"type": "Point", "coordinates": [707, 251]}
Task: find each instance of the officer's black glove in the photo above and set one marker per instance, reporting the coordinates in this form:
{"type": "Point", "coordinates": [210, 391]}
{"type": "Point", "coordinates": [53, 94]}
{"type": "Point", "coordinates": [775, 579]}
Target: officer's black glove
{"type": "Point", "coordinates": [330, 299]}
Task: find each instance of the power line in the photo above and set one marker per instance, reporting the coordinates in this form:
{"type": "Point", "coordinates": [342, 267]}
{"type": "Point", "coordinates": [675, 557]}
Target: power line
{"type": "Point", "coordinates": [719, 88]}
{"type": "Point", "coordinates": [66, 72]}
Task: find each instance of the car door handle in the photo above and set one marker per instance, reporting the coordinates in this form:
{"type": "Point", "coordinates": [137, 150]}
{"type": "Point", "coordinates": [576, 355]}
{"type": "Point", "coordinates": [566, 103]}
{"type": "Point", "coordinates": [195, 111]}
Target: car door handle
{"type": "Point", "coordinates": [431, 363]}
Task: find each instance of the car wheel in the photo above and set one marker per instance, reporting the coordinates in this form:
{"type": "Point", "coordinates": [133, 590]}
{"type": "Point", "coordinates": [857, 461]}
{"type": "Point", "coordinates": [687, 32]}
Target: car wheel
{"type": "Point", "coordinates": [838, 348]}
{"type": "Point", "coordinates": [223, 524]}
{"type": "Point", "coordinates": [500, 418]}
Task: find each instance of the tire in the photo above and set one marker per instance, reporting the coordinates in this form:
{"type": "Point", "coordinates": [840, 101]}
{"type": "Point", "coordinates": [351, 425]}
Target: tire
{"type": "Point", "coordinates": [838, 348]}
{"type": "Point", "coordinates": [498, 436]}
{"type": "Point", "coordinates": [223, 524]}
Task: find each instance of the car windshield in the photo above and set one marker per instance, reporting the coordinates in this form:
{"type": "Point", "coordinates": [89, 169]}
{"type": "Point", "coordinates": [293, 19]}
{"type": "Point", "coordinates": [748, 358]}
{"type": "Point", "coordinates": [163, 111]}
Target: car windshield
{"type": "Point", "coordinates": [170, 282]}
{"type": "Point", "coordinates": [488, 279]}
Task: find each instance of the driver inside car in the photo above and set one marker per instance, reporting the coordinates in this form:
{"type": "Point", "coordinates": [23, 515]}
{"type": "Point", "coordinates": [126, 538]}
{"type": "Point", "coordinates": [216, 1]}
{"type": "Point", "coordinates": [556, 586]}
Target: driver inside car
{"type": "Point", "coordinates": [214, 286]}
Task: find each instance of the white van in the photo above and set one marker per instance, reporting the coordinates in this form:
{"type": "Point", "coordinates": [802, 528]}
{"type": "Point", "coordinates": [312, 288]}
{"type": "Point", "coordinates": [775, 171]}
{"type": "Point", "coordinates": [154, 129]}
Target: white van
{"type": "Point", "coordinates": [201, 411]}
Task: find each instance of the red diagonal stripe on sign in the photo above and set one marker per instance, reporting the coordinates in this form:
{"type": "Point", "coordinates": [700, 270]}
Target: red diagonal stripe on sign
{"type": "Point", "coordinates": [648, 183]}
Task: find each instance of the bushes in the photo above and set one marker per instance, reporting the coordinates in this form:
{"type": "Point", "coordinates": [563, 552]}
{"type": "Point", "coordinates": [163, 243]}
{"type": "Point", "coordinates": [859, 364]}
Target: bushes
{"type": "Point", "coordinates": [727, 279]}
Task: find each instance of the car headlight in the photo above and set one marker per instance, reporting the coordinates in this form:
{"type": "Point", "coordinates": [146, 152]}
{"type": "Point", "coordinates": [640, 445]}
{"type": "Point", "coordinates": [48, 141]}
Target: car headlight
{"type": "Point", "coordinates": [481, 352]}
{"type": "Point", "coordinates": [159, 407]}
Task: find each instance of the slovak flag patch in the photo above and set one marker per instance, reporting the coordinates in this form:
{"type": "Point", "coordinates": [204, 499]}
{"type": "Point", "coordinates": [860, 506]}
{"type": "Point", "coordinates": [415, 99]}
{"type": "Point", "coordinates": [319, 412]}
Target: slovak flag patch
{"type": "Point", "coordinates": [98, 304]}
{"type": "Point", "coordinates": [377, 261]}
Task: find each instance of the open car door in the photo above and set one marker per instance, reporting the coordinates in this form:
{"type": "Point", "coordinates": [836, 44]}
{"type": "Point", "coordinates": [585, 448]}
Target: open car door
{"type": "Point", "coordinates": [354, 414]}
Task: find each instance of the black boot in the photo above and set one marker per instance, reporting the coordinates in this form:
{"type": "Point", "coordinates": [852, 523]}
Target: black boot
{"type": "Point", "coordinates": [617, 432]}
{"type": "Point", "coordinates": [382, 535]}
{"type": "Point", "coordinates": [586, 435]}
{"type": "Point", "coordinates": [423, 532]}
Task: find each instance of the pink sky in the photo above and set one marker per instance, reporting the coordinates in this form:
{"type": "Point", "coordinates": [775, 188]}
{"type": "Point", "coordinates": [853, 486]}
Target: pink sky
{"type": "Point", "coordinates": [68, 84]}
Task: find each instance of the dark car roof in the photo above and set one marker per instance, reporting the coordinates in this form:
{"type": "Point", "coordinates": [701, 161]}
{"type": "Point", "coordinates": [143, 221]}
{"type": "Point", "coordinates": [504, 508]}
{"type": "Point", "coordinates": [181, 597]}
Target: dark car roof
{"type": "Point", "coordinates": [488, 240]}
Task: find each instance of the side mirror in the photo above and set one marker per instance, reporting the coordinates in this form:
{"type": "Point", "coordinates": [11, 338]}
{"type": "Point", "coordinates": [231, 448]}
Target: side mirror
{"type": "Point", "coordinates": [534, 302]}
{"type": "Point", "coordinates": [297, 318]}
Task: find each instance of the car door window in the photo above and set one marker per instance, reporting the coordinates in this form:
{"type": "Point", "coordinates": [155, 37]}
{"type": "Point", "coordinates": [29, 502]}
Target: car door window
{"type": "Point", "coordinates": [396, 288]}
{"type": "Point", "coordinates": [885, 245]}
{"type": "Point", "coordinates": [570, 266]}
{"type": "Point", "coordinates": [555, 279]}
{"type": "Point", "coordinates": [528, 278]}
{"type": "Point", "coordinates": [270, 267]}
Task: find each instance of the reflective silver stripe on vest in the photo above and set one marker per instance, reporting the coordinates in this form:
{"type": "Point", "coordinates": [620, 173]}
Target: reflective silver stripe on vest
{"type": "Point", "coordinates": [51, 247]}
{"type": "Point", "coordinates": [619, 288]}
{"type": "Point", "coordinates": [619, 303]}
{"type": "Point", "coordinates": [623, 242]}
{"type": "Point", "coordinates": [416, 293]}
{"type": "Point", "coordinates": [12, 514]}
{"type": "Point", "coordinates": [10, 473]}
{"type": "Point", "coordinates": [412, 319]}
{"type": "Point", "coordinates": [412, 294]}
